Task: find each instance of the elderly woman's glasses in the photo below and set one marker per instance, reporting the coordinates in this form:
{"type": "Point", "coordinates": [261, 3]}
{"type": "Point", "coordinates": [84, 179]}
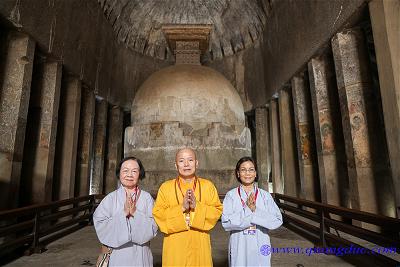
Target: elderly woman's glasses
{"type": "Point", "coordinates": [251, 171]}
{"type": "Point", "coordinates": [128, 171]}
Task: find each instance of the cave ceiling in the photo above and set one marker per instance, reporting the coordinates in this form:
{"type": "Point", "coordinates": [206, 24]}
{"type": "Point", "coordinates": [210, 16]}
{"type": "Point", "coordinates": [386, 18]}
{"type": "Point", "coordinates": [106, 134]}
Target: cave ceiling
{"type": "Point", "coordinates": [236, 24]}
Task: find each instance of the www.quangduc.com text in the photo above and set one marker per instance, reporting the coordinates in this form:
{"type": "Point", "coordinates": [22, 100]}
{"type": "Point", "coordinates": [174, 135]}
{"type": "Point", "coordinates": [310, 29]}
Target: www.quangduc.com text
{"type": "Point", "coordinates": [337, 251]}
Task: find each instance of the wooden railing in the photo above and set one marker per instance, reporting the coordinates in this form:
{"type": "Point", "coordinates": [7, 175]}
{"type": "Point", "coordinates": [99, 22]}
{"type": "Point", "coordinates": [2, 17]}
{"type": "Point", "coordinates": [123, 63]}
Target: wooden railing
{"type": "Point", "coordinates": [31, 228]}
{"type": "Point", "coordinates": [329, 221]}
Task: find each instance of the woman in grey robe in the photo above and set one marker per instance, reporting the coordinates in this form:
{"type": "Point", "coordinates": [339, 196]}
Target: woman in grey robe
{"type": "Point", "coordinates": [249, 213]}
{"type": "Point", "coordinates": [124, 220]}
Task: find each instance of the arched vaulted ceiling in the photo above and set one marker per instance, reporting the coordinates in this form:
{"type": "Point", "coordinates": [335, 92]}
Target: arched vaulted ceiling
{"type": "Point", "coordinates": [237, 24]}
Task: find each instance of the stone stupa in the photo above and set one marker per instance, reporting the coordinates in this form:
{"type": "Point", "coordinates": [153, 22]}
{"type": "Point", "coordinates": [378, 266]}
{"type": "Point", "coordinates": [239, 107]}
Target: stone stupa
{"type": "Point", "coordinates": [188, 105]}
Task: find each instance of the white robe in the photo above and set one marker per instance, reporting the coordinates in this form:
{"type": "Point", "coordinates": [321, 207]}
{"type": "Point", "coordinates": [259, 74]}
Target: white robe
{"type": "Point", "coordinates": [129, 238]}
{"type": "Point", "coordinates": [249, 249]}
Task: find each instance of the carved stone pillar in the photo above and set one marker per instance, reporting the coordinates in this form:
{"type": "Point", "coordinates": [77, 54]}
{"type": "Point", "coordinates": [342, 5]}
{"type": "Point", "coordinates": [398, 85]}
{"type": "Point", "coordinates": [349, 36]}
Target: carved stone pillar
{"type": "Point", "coordinates": [14, 103]}
{"type": "Point", "coordinates": [96, 183]}
{"type": "Point", "coordinates": [288, 145]}
{"type": "Point", "coordinates": [67, 138]}
{"type": "Point", "coordinates": [276, 159]}
{"type": "Point", "coordinates": [114, 147]}
{"type": "Point", "coordinates": [39, 152]}
{"type": "Point", "coordinates": [308, 171]}
{"type": "Point", "coordinates": [370, 180]}
{"type": "Point", "coordinates": [85, 143]}
{"type": "Point", "coordinates": [328, 132]}
{"type": "Point", "coordinates": [262, 146]}
{"type": "Point", "coordinates": [385, 20]}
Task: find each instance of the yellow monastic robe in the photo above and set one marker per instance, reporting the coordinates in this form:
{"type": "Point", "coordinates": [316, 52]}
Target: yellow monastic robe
{"type": "Point", "coordinates": [184, 245]}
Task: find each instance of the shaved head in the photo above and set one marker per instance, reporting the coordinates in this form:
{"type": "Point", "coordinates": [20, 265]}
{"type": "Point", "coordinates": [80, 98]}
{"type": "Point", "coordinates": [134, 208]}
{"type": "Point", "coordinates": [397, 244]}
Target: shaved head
{"type": "Point", "coordinates": [186, 163]}
{"type": "Point", "coordinates": [184, 150]}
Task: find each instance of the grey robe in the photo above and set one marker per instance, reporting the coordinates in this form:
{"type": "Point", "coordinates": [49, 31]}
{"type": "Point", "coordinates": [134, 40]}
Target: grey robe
{"type": "Point", "coordinates": [129, 238]}
{"type": "Point", "coordinates": [246, 249]}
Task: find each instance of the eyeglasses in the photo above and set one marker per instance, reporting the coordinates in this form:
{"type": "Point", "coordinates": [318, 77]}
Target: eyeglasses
{"type": "Point", "coordinates": [247, 170]}
{"type": "Point", "coordinates": [132, 172]}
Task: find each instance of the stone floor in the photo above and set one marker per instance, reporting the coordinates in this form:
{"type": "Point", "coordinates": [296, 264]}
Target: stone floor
{"type": "Point", "coordinates": [81, 249]}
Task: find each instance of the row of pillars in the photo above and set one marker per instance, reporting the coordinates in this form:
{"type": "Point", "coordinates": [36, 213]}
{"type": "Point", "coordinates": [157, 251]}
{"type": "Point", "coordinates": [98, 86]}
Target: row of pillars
{"type": "Point", "coordinates": [323, 136]}
{"type": "Point", "coordinates": [58, 140]}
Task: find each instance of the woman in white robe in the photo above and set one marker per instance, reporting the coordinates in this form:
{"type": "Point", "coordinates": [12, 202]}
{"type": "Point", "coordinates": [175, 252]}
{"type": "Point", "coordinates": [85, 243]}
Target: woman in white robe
{"type": "Point", "coordinates": [248, 213]}
{"type": "Point", "coordinates": [124, 221]}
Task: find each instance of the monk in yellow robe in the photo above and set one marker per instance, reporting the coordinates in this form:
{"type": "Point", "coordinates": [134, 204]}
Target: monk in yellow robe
{"type": "Point", "coordinates": [186, 209]}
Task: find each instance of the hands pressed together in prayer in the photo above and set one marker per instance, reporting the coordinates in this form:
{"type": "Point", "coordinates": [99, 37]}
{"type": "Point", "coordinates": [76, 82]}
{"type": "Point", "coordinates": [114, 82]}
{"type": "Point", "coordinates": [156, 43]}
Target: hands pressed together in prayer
{"type": "Point", "coordinates": [129, 206]}
{"type": "Point", "coordinates": [251, 202]}
{"type": "Point", "coordinates": [189, 201]}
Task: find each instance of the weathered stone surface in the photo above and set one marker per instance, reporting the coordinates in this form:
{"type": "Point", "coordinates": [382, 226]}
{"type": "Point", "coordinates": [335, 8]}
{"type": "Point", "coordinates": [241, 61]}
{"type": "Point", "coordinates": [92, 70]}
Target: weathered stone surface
{"type": "Point", "coordinates": [187, 41]}
{"type": "Point", "coordinates": [290, 171]}
{"type": "Point", "coordinates": [102, 63]}
{"type": "Point", "coordinates": [245, 71]}
{"type": "Point", "coordinates": [276, 159]}
{"type": "Point", "coordinates": [77, 34]}
{"type": "Point", "coordinates": [114, 147]}
{"type": "Point", "coordinates": [138, 23]}
{"type": "Point", "coordinates": [296, 30]}
{"type": "Point", "coordinates": [190, 93]}
{"type": "Point", "coordinates": [65, 30]}
{"type": "Point", "coordinates": [309, 180]}
{"type": "Point", "coordinates": [217, 151]}
{"type": "Point", "coordinates": [386, 27]}
{"type": "Point", "coordinates": [100, 132]}
{"type": "Point", "coordinates": [38, 162]}
{"type": "Point", "coordinates": [366, 154]}
{"type": "Point", "coordinates": [14, 102]}
{"type": "Point", "coordinates": [67, 138]}
{"type": "Point", "coordinates": [328, 132]}
{"type": "Point", "coordinates": [191, 106]}
{"type": "Point", "coordinates": [85, 142]}
{"type": "Point", "coordinates": [224, 180]}
{"type": "Point", "coordinates": [262, 147]}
